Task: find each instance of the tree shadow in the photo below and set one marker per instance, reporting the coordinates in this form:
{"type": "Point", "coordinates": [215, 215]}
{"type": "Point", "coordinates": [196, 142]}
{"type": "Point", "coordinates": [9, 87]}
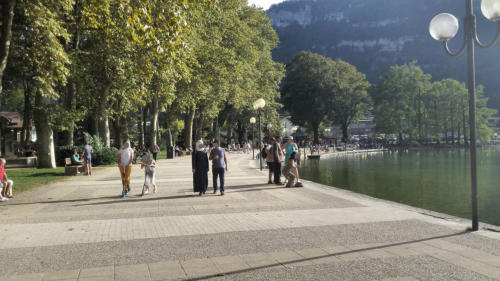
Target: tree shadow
{"type": "Point", "coordinates": [62, 201]}
{"type": "Point", "coordinates": [137, 198]}
{"type": "Point", "coordinates": [326, 256]}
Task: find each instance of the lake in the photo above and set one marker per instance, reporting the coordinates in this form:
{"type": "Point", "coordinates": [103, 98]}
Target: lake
{"type": "Point", "coordinates": [437, 179]}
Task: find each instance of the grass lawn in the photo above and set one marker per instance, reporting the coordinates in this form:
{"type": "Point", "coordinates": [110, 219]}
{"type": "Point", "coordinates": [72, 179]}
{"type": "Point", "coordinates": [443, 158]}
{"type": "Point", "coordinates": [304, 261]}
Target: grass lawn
{"type": "Point", "coordinates": [29, 178]}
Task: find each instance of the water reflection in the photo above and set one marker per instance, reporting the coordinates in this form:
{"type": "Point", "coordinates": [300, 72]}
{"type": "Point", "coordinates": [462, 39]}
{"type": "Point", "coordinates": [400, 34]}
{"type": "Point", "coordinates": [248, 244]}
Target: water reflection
{"type": "Point", "coordinates": [431, 179]}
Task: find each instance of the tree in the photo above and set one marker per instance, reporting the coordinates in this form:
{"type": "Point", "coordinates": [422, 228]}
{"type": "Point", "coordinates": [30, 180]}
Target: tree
{"type": "Point", "coordinates": [49, 65]}
{"type": "Point", "coordinates": [7, 12]}
{"type": "Point", "coordinates": [231, 67]}
{"type": "Point", "coordinates": [346, 94]}
{"type": "Point", "coordinates": [304, 91]}
{"type": "Point", "coordinates": [398, 101]}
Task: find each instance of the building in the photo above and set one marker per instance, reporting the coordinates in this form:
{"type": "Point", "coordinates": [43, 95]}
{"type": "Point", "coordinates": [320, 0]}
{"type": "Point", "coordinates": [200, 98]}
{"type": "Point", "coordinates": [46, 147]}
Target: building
{"type": "Point", "coordinates": [364, 127]}
{"type": "Point", "coordinates": [11, 124]}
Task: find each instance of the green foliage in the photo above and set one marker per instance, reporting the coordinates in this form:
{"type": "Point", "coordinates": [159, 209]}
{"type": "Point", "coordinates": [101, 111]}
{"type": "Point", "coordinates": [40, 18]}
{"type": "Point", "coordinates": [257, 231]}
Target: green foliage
{"type": "Point", "coordinates": [318, 89]}
{"type": "Point", "coordinates": [100, 155]}
{"type": "Point", "coordinates": [93, 141]}
{"type": "Point", "coordinates": [304, 90]}
{"type": "Point", "coordinates": [407, 103]}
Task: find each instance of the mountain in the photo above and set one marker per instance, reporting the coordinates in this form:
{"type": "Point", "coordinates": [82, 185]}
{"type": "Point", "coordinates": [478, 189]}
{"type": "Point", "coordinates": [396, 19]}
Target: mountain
{"type": "Point", "coordinates": [376, 34]}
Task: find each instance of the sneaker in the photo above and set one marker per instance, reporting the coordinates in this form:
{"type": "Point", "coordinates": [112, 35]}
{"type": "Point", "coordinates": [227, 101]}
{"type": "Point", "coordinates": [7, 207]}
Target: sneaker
{"type": "Point", "coordinates": [147, 191]}
{"type": "Point", "coordinates": [299, 184]}
{"type": "Point", "coordinates": [222, 193]}
{"type": "Point", "coordinates": [4, 199]}
{"type": "Point", "coordinates": [215, 191]}
{"type": "Point", "coordinates": [269, 182]}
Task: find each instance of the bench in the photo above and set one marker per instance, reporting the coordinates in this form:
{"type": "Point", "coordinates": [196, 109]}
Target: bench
{"type": "Point", "coordinates": [71, 170]}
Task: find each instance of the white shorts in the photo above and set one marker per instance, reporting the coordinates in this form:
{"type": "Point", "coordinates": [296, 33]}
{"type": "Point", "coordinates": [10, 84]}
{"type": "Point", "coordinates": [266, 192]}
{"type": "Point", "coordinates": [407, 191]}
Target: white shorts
{"type": "Point", "coordinates": [11, 182]}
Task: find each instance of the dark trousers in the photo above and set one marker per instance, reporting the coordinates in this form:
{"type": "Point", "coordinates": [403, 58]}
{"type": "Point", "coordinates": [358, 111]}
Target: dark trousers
{"type": "Point", "coordinates": [277, 172]}
{"type": "Point", "coordinates": [218, 172]}
{"type": "Point", "coordinates": [154, 155]}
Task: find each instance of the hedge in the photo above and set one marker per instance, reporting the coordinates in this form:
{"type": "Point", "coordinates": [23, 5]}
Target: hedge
{"type": "Point", "coordinates": [100, 155]}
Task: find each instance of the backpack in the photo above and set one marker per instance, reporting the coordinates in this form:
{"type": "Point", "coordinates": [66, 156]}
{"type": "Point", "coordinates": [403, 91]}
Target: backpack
{"type": "Point", "coordinates": [263, 153]}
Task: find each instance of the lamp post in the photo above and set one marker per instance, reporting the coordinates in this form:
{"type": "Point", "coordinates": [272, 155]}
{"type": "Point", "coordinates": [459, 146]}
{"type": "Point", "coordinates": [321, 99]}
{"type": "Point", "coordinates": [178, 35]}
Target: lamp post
{"type": "Point", "coordinates": [259, 105]}
{"type": "Point", "coordinates": [444, 27]}
{"type": "Point", "coordinates": [252, 121]}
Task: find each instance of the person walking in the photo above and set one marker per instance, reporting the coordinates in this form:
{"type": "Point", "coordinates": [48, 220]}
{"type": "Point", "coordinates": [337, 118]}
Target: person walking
{"type": "Point", "coordinates": [290, 148]}
{"type": "Point", "coordinates": [125, 158]}
{"type": "Point", "coordinates": [219, 166]}
{"type": "Point", "coordinates": [149, 173]}
{"type": "Point", "coordinates": [87, 158]}
{"type": "Point", "coordinates": [155, 150]}
{"type": "Point", "coordinates": [269, 159]}
{"type": "Point", "coordinates": [278, 158]}
{"type": "Point", "coordinates": [200, 166]}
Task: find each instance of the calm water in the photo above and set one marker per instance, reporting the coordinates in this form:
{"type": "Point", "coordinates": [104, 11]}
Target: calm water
{"type": "Point", "coordinates": [436, 180]}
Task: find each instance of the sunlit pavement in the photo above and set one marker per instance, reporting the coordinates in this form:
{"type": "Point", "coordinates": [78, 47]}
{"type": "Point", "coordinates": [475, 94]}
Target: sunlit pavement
{"type": "Point", "coordinates": [80, 229]}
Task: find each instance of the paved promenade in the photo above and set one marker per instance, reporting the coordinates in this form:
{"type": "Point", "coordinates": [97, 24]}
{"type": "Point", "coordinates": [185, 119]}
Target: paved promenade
{"type": "Point", "coordinates": [80, 229]}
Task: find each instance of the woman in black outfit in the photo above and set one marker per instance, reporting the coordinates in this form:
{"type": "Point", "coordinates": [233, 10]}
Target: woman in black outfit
{"type": "Point", "coordinates": [200, 168]}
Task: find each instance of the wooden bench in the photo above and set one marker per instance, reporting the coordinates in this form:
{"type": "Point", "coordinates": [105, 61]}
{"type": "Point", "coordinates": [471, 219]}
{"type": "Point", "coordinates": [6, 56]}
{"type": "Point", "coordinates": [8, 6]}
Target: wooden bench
{"type": "Point", "coordinates": [71, 170]}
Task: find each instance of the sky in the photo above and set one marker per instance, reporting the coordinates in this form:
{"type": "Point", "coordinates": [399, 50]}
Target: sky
{"type": "Point", "coordinates": [264, 3]}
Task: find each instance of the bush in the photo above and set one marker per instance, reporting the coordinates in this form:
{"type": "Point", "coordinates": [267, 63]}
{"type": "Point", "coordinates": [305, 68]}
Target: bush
{"type": "Point", "coordinates": [100, 156]}
{"type": "Point", "coordinates": [105, 155]}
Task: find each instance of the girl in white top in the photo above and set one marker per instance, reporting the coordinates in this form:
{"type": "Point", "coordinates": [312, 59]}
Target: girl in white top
{"type": "Point", "coordinates": [125, 157]}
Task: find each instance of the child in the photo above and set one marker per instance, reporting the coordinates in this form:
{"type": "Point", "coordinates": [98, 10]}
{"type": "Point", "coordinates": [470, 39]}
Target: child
{"type": "Point", "coordinates": [289, 170]}
{"type": "Point", "coordinates": [149, 172]}
{"type": "Point", "coordinates": [5, 183]}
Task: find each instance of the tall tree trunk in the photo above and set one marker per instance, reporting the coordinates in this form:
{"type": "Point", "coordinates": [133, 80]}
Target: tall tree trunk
{"type": "Point", "coordinates": [144, 125]}
{"type": "Point", "coordinates": [198, 128]}
{"type": "Point", "coordinates": [44, 133]}
{"type": "Point", "coordinates": [170, 139]}
{"type": "Point", "coordinates": [188, 127]}
{"type": "Point", "coordinates": [446, 132]}
{"type": "Point", "coordinates": [5, 37]}
{"type": "Point", "coordinates": [419, 116]}
{"type": "Point", "coordinates": [71, 87]}
{"type": "Point", "coordinates": [154, 121]}
{"type": "Point", "coordinates": [94, 125]}
{"type": "Point", "coordinates": [118, 133]}
{"type": "Point", "coordinates": [28, 113]}
{"type": "Point", "coordinates": [345, 134]}
{"type": "Point", "coordinates": [141, 128]}
{"type": "Point", "coordinates": [315, 127]}
{"type": "Point", "coordinates": [464, 129]}
{"type": "Point", "coordinates": [69, 104]}
{"type": "Point", "coordinates": [104, 130]}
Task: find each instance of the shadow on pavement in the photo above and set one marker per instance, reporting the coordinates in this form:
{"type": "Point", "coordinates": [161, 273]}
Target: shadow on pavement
{"type": "Point", "coordinates": [62, 201]}
{"type": "Point", "coordinates": [326, 256]}
{"type": "Point", "coordinates": [137, 198]}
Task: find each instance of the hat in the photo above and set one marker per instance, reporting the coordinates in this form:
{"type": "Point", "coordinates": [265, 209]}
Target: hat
{"type": "Point", "coordinates": [290, 138]}
{"type": "Point", "coordinates": [200, 146]}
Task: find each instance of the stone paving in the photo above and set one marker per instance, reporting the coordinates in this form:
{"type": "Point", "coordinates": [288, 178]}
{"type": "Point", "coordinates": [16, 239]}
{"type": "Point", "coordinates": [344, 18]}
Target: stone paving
{"type": "Point", "coordinates": [80, 229]}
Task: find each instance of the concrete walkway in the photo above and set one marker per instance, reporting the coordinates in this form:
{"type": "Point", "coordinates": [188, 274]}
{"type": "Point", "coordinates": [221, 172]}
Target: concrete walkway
{"type": "Point", "coordinates": [80, 229]}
